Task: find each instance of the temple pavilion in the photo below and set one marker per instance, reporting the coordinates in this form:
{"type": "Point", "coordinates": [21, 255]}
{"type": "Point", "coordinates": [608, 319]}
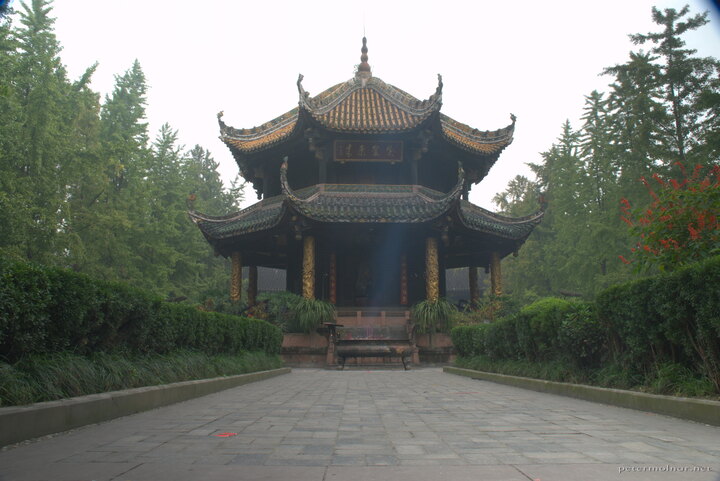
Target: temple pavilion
{"type": "Point", "coordinates": [363, 197]}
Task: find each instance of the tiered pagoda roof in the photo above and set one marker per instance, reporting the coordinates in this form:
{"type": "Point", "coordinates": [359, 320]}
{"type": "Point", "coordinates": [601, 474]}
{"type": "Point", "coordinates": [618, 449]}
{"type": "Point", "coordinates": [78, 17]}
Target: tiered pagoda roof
{"type": "Point", "coordinates": [364, 204]}
{"type": "Point", "coordinates": [359, 203]}
{"type": "Point", "coordinates": [365, 106]}
{"type": "Point", "coordinates": [375, 108]}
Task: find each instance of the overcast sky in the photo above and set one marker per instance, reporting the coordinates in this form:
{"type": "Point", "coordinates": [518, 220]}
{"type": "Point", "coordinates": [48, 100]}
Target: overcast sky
{"type": "Point", "coordinates": [534, 59]}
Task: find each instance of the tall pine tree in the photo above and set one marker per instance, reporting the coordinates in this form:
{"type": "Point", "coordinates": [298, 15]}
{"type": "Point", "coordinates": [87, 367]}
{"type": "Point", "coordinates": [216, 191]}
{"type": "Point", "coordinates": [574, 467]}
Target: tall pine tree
{"type": "Point", "coordinates": [684, 80]}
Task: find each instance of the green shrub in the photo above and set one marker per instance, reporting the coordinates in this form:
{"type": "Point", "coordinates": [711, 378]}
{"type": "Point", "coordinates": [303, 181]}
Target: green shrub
{"type": "Point", "coordinates": [280, 308]}
{"type": "Point", "coordinates": [688, 306]}
{"type": "Point", "coordinates": [24, 314]}
{"type": "Point", "coordinates": [660, 333]}
{"type": "Point", "coordinates": [501, 340]}
{"type": "Point", "coordinates": [581, 337]}
{"type": "Point", "coordinates": [538, 326]}
{"type": "Point", "coordinates": [547, 330]}
{"type": "Point", "coordinates": [469, 340]}
{"type": "Point", "coordinates": [45, 310]}
{"type": "Point", "coordinates": [628, 314]}
{"type": "Point", "coordinates": [670, 318]}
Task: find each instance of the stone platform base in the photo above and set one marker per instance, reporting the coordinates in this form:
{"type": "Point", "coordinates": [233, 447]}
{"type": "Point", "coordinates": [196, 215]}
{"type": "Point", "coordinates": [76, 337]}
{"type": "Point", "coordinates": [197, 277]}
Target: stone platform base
{"type": "Point", "coordinates": [310, 350]}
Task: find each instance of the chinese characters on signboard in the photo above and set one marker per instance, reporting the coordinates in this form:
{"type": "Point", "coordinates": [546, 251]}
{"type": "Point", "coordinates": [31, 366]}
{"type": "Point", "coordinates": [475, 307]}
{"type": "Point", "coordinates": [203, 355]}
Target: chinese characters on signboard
{"type": "Point", "coordinates": [368, 151]}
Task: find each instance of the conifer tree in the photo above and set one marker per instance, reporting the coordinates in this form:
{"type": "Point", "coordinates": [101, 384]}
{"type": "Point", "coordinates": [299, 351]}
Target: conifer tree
{"type": "Point", "coordinates": [115, 204]}
{"type": "Point", "coordinates": [684, 81]}
{"type": "Point", "coordinates": [41, 131]}
{"type": "Point", "coordinates": [636, 116]}
{"type": "Point", "coordinates": [79, 185]}
{"type": "Point", "coordinates": [663, 108]}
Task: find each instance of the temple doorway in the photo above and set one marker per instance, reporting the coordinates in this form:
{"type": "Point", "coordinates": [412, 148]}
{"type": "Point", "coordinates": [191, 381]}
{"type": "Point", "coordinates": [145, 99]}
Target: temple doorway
{"type": "Point", "coordinates": [369, 273]}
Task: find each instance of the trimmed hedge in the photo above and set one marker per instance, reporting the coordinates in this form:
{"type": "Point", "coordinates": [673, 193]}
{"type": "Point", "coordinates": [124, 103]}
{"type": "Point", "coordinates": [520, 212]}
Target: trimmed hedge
{"type": "Point", "coordinates": [650, 328]}
{"type": "Point", "coordinates": [44, 310]}
{"type": "Point", "coordinates": [671, 318]}
{"type": "Point", "coordinates": [549, 329]}
{"type": "Point", "coordinates": [469, 341]}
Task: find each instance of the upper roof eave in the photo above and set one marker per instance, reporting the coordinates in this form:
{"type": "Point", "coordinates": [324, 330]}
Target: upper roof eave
{"type": "Point", "coordinates": [246, 141]}
{"type": "Point", "coordinates": [474, 141]}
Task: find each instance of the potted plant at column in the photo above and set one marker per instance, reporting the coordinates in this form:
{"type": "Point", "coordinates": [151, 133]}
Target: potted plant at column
{"type": "Point", "coordinates": [433, 315]}
{"type": "Point", "coordinates": [313, 313]}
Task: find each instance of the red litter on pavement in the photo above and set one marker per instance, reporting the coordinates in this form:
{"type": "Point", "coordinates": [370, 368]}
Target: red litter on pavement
{"type": "Point", "coordinates": [225, 435]}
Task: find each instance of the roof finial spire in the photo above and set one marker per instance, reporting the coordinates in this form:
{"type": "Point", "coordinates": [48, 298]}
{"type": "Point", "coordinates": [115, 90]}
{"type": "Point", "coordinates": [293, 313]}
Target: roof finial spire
{"type": "Point", "coordinates": [364, 67]}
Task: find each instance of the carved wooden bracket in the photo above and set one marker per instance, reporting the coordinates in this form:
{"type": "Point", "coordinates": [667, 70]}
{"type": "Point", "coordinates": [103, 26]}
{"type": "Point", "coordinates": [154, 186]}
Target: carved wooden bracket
{"type": "Point", "coordinates": [318, 144]}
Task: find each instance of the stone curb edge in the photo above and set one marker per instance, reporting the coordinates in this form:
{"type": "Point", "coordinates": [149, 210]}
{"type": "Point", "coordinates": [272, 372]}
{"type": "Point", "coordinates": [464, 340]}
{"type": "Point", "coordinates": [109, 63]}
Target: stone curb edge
{"type": "Point", "coordinates": [19, 423]}
{"type": "Point", "coordinates": [699, 410]}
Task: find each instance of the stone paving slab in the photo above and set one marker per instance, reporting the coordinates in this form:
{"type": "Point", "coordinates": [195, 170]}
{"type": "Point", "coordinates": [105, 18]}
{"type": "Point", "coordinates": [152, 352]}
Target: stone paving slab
{"type": "Point", "coordinates": [362, 425]}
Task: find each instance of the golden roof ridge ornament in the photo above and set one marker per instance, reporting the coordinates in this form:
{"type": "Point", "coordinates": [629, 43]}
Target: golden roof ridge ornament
{"type": "Point", "coordinates": [364, 72]}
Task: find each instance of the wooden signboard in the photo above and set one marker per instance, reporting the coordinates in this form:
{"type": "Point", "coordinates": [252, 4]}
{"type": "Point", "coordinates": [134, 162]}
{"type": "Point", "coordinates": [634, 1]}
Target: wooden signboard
{"type": "Point", "coordinates": [368, 151]}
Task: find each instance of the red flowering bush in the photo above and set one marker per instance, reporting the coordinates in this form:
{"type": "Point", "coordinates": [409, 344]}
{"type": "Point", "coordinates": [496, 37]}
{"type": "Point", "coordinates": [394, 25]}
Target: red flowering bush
{"type": "Point", "coordinates": [681, 224]}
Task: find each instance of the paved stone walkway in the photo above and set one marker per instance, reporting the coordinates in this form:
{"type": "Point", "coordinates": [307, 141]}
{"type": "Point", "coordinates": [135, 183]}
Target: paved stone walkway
{"type": "Point", "coordinates": [364, 425]}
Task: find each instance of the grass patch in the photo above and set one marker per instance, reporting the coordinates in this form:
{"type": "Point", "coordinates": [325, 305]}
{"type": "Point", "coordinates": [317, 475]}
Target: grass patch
{"type": "Point", "coordinates": [669, 379]}
{"type": "Point", "coordinates": [63, 375]}
{"type": "Point", "coordinates": [548, 370]}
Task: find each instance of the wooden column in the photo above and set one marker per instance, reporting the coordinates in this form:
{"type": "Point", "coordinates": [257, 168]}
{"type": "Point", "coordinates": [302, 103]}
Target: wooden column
{"type": "Point", "coordinates": [252, 288]}
{"type": "Point", "coordinates": [403, 280]}
{"type": "Point", "coordinates": [333, 278]}
{"type": "Point", "coordinates": [474, 288]}
{"type": "Point", "coordinates": [308, 274]}
{"type": "Point", "coordinates": [432, 270]}
{"type": "Point", "coordinates": [495, 274]}
{"type": "Point", "coordinates": [236, 277]}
